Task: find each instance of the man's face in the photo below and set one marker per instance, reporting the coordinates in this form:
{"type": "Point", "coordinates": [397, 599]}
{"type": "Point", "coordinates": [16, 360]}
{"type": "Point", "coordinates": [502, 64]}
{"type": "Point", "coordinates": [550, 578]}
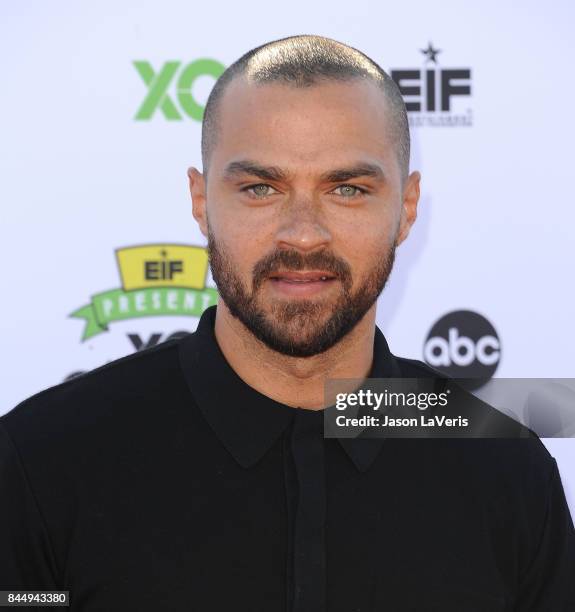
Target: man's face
{"type": "Point", "coordinates": [303, 209]}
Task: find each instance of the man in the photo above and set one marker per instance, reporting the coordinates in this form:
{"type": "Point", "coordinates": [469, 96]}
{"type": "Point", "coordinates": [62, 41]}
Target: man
{"type": "Point", "coordinates": [195, 475]}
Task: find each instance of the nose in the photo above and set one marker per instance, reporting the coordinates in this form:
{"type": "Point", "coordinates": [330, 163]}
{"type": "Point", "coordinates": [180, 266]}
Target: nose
{"type": "Point", "coordinates": [303, 225]}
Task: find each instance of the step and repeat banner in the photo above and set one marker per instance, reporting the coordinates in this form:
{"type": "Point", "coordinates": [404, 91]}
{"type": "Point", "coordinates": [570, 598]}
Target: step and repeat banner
{"type": "Point", "coordinates": [100, 117]}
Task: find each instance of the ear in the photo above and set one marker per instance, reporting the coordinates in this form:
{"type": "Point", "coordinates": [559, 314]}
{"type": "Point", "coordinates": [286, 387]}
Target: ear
{"type": "Point", "coordinates": [409, 206]}
{"type": "Point", "coordinates": [198, 193]}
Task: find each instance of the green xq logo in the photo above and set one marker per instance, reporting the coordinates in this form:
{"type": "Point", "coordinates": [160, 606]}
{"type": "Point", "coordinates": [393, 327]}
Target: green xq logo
{"type": "Point", "coordinates": [159, 82]}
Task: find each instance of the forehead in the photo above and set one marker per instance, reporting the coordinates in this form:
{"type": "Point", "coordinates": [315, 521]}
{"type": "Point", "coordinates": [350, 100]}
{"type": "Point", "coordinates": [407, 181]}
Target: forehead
{"type": "Point", "coordinates": [318, 125]}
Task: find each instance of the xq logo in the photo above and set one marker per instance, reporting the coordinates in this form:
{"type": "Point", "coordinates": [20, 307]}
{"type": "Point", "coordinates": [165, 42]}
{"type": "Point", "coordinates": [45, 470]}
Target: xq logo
{"type": "Point", "coordinates": [180, 100]}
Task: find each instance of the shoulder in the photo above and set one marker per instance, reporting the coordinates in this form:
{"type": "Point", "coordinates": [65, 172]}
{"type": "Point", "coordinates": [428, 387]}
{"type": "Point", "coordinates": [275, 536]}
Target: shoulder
{"type": "Point", "coordinates": [97, 398]}
{"type": "Point", "coordinates": [498, 465]}
{"type": "Point", "coordinates": [413, 368]}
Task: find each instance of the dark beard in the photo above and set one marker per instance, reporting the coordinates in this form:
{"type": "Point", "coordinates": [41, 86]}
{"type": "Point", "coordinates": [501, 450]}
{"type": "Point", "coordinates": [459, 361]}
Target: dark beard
{"type": "Point", "coordinates": [286, 331]}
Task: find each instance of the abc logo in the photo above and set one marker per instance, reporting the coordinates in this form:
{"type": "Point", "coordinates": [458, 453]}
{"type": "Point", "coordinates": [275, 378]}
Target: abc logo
{"type": "Point", "coordinates": [463, 344]}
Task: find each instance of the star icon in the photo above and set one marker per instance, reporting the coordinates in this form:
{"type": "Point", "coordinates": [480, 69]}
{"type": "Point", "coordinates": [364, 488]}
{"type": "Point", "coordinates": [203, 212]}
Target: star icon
{"type": "Point", "coordinates": [430, 53]}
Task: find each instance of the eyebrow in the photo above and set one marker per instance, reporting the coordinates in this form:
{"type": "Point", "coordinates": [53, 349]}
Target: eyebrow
{"type": "Point", "coordinates": [353, 172]}
{"type": "Point", "coordinates": [273, 173]}
{"type": "Point", "coordinates": [266, 173]}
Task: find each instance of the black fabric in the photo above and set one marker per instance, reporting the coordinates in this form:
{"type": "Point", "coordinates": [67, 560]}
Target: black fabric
{"type": "Point", "coordinates": [162, 481]}
{"type": "Point", "coordinates": [309, 525]}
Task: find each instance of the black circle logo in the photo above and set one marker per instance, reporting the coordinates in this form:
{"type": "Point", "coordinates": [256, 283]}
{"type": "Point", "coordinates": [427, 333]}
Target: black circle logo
{"type": "Point", "coordinates": [463, 344]}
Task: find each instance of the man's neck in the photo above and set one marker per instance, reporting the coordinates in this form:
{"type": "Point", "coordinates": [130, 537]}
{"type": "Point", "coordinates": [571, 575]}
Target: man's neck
{"type": "Point", "coordinates": [294, 381]}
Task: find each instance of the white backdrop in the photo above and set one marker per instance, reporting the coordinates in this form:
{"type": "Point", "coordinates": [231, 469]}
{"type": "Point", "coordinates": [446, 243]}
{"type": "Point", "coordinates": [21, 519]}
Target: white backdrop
{"type": "Point", "coordinates": [82, 176]}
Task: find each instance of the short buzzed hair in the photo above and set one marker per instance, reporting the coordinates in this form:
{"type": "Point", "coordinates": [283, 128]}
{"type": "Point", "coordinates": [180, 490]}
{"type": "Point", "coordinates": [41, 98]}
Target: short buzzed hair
{"type": "Point", "coordinates": [304, 61]}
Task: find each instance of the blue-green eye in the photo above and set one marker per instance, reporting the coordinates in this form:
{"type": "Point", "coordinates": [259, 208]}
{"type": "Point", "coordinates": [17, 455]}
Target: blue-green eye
{"type": "Point", "coordinates": [261, 190]}
{"type": "Point", "coordinates": [349, 191]}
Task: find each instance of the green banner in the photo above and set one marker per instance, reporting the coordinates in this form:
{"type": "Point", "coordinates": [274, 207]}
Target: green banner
{"type": "Point", "coordinates": [118, 305]}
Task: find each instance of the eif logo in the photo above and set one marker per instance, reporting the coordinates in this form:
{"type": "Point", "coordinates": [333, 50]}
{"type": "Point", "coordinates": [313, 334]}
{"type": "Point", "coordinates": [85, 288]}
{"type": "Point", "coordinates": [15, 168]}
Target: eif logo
{"type": "Point", "coordinates": [170, 88]}
{"type": "Point", "coordinates": [157, 279]}
{"type": "Point", "coordinates": [463, 344]}
{"type": "Point", "coordinates": [434, 95]}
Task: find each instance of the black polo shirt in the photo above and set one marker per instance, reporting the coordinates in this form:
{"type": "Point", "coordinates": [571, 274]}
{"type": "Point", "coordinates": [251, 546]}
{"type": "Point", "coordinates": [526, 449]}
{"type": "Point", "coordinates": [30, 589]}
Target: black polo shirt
{"type": "Point", "coordinates": [162, 481]}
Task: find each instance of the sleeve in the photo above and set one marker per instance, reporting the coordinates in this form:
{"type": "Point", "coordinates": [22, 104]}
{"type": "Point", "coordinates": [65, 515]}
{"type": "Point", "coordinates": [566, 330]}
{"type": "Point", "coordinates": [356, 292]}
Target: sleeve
{"type": "Point", "coordinates": [26, 555]}
{"type": "Point", "coordinates": [548, 582]}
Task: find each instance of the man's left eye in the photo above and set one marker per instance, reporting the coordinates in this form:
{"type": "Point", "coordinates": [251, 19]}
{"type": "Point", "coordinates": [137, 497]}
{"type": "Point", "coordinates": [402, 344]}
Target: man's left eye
{"type": "Point", "coordinates": [349, 191]}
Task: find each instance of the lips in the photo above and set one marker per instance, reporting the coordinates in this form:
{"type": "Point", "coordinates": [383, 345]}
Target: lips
{"type": "Point", "coordinates": [303, 277]}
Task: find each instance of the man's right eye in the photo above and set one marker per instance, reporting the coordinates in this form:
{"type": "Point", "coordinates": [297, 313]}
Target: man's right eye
{"type": "Point", "coordinates": [261, 190]}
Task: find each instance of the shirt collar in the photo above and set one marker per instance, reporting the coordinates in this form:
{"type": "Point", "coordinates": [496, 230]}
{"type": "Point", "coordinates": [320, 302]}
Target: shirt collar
{"type": "Point", "coordinates": [245, 421]}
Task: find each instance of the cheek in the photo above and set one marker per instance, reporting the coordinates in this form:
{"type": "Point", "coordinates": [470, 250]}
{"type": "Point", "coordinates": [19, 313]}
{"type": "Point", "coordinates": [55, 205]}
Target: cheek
{"type": "Point", "coordinates": [365, 246]}
{"type": "Point", "coordinates": [363, 242]}
{"type": "Point", "coordinates": [231, 226]}
{"type": "Point", "coordinates": [244, 242]}
{"type": "Point", "coordinates": [233, 222]}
